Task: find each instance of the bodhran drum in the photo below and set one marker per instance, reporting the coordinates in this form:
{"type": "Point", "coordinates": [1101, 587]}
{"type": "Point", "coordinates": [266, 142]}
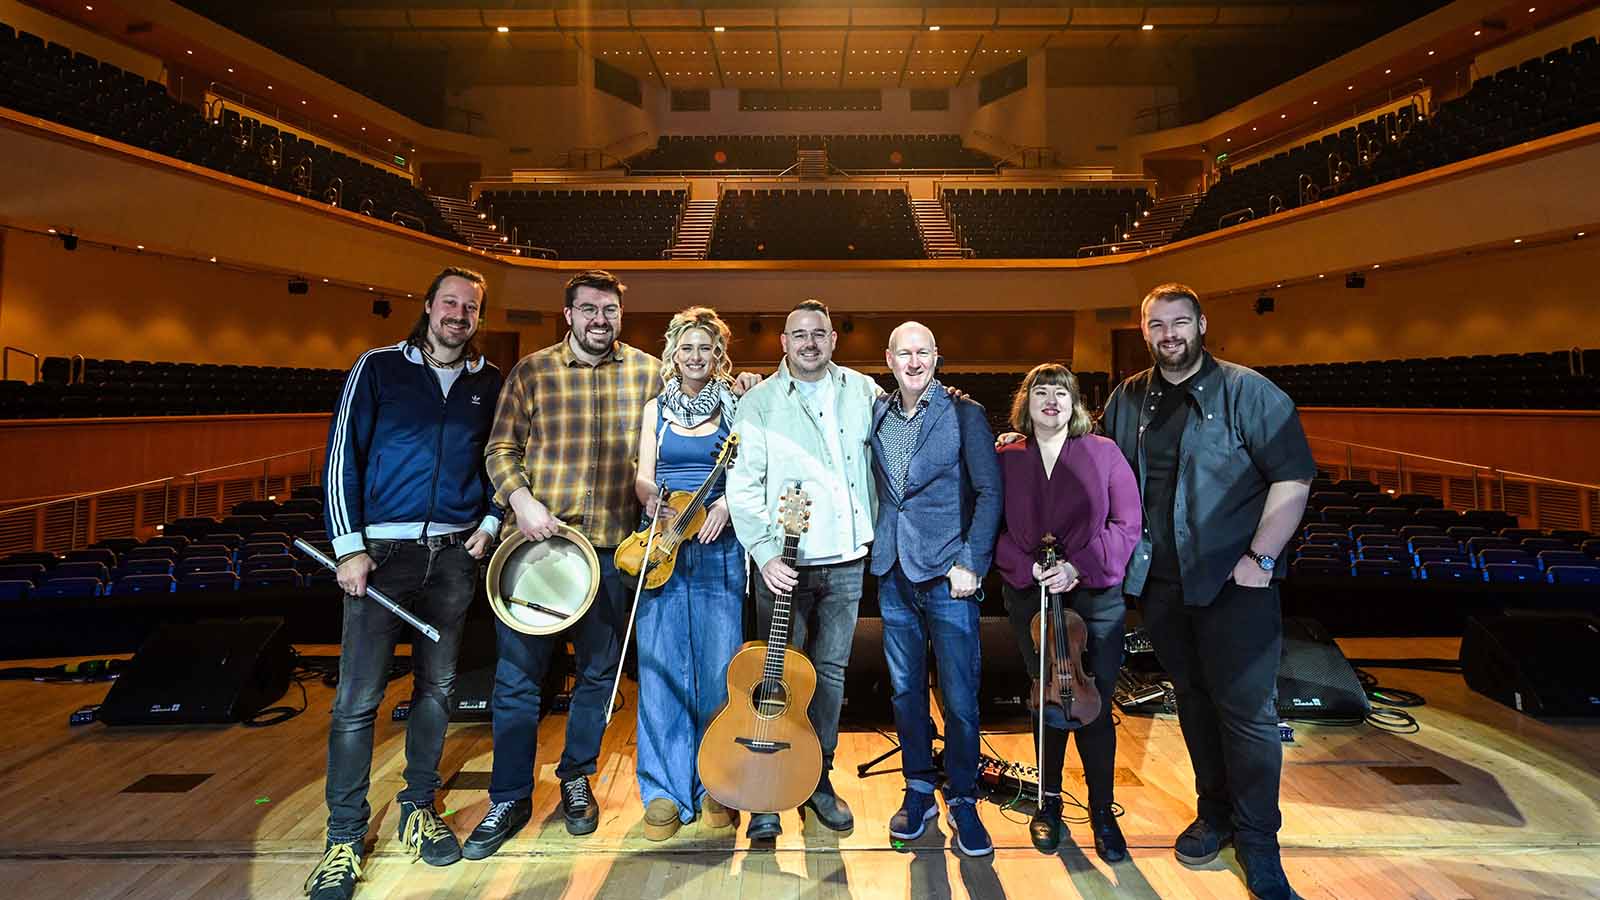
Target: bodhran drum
{"type": "Point", "coordinates": [541, 587]}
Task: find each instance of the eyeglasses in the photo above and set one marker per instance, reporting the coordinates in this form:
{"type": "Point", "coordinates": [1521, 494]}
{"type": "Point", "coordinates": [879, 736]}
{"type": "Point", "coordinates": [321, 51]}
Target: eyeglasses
{"type": "Point", "coordinates": [590, 311]}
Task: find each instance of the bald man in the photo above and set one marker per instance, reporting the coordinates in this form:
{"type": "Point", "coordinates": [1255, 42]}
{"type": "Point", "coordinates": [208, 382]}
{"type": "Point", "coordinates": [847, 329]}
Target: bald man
{"type": "Point", "coordinates": [939, 505]}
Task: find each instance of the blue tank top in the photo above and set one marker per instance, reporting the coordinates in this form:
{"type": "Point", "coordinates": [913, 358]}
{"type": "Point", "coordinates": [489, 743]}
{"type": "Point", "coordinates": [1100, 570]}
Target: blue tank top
{"type": "Point", "coordinates": [682, 463]}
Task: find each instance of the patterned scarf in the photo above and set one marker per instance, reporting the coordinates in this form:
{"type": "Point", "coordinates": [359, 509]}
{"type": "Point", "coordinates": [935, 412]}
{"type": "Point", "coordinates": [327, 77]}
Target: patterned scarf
{"type": "Point", "coordinates": [685, 411]}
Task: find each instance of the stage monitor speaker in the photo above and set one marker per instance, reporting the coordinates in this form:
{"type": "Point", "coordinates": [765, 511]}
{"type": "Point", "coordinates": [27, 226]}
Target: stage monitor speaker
{"type": "Point", "coordinates": [1003, 688]}
{"type": "Point", "coordinates": [202, 673]}
{"type": "Point", "coordinates": [1542, 665]}
{"type": "Point", "coordinates": [1315, 681]}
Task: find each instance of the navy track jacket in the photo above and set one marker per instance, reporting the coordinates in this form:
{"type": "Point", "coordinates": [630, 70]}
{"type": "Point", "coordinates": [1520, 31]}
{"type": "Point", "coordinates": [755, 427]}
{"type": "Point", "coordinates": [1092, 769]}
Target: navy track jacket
{"type": "Point", "coordinates": [404, 458]}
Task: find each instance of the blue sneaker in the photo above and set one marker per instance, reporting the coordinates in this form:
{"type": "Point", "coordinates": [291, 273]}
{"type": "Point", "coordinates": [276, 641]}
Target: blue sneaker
{"type": "Point", "coordinates": [972, 838]}
{"type": "Point", "coordinates": [911, 820]}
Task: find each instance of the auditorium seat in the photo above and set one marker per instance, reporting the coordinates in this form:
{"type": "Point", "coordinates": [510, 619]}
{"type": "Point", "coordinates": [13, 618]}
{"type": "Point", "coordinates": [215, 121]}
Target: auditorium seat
{"type": "Point", "coordinates": [143, 567]}
{"type": "Point", "coordinates": [110, 388]}
{"type": "Point", "coordinates": [143, 584]}
{"type": "Point", "coordinates": [1425, 555]}
{"type": "Point", "coordinates": [97, 571]}
{"type": "Point", "coordinates": [33, 573]}
{"type": "Point", "coordinates": [1549, 558]}
{"type": "Point", "coordinates": [60, 588]}
{"type": "Point", "coordinates": [265, 562]}
{"type": "Point", "coordinates": [99, 555]}
{"type": "Point", "coordinates": [196, 564]}
{"type": "Point", "coordinates": [98, 97]}
{"type": "Point", "coordinates": [1574, 575]}
{"type": "Point", "coordinates": [1048, 222]}
{"type": "Point", "coordinates": [854, 153]}
{"type": "Point", "coordinates": [589, 224]}
{"type": "Point", "coordinates": [815, 224]}
{"type": "Point", "coordinates": [269, 578]}
{"type": "Point", "coordinates": [1318, 568]}
{"type": "Point", "coordinates": [194, 582]}
{"type": "Point", "coordinates": [1510, 573]}
{"type": "Point", "coordinates": [1558, 379]}
{"type": "Point", "coordinates": [13, 589]}
{"type": "Point", "coordinates": [1377, 568]}
{"type": "Point", "coordinates": [148, 551]}
{"type": "Point", "coordinates": [1321, 551]}
{"type": "Point", "coordinates": [1449, 571]}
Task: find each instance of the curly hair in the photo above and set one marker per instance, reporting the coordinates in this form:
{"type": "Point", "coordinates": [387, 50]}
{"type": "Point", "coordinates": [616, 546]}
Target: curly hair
{"type": "Point", "coordinates": [706, 319]}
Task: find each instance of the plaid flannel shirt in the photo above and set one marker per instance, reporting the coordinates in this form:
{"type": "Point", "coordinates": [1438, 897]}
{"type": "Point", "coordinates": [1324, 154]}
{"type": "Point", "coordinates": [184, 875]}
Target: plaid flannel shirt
{"type": "Point", "coordinates": [567, 431]}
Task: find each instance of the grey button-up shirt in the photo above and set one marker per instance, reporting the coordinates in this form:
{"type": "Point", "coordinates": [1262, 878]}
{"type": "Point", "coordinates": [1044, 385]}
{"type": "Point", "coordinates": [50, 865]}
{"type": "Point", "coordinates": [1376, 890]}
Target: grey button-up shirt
{"type": "Point", "coordinates": [1243, 435]}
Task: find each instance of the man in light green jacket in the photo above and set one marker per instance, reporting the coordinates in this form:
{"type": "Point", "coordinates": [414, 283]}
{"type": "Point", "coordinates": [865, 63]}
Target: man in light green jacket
{"type": "Point", "coordinates": [810, 423]}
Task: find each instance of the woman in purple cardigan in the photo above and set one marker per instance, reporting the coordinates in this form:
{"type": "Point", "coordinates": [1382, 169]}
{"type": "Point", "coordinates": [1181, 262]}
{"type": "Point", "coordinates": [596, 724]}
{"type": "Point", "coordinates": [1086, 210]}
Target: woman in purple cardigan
{"type": "Point", "coordinates": [1064, 481]}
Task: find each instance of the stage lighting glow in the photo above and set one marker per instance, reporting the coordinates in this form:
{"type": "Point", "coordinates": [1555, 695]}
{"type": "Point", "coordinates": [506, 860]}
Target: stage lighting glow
{"type": "Point", "coordinates": [503, 29]}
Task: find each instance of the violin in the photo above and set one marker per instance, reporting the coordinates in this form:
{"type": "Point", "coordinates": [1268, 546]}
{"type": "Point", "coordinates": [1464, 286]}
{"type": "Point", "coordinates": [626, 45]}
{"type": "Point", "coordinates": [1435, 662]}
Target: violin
{"type": "Point", "coordinates": [689, 514]}
{"type": "Point", "coordinates": [1066, 685]}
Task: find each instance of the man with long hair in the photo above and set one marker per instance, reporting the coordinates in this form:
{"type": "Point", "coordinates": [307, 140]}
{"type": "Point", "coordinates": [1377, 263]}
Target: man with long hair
{"type": "Point", "coordinates": [409, 508]}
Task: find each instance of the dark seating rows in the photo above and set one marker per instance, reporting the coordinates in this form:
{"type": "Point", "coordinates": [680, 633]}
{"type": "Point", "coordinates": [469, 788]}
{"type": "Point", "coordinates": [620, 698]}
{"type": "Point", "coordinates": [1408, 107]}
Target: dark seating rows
{"type": "Point", "coordinates": [850, 152]}
{"type": "Point", "coordinates": [1353, 529]}
{"type": "Point", "coordinates": [1039, 223]}
{"type": "Point", "coordinates": [104, 388]}
{"type": "Point", "coordinates": [590, 224]}
{"type": "Point", "coordinates": [246, 550]}
{"type": "Point", "coordinates": [52, 82]}
{"type": "Point", "coordinates": [1540, 97]}
{"type": "Point", "coordinates": [1554, 380]}
{"type": "Point", "coordinates": [815, 224]}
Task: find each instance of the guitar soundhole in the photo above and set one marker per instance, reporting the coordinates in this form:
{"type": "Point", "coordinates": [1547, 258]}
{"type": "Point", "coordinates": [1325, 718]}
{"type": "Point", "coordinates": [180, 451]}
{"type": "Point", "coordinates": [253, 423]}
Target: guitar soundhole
{"type": "Point", "coordinates": [770, 698]}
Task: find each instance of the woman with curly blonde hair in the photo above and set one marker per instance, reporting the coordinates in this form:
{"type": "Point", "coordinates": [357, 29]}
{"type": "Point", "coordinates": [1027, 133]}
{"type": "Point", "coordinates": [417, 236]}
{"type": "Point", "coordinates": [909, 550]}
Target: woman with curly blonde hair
{"type": "Point", "coordinates": [690, 627]}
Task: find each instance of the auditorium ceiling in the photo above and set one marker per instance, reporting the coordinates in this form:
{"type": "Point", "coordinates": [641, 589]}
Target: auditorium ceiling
{"type": "Point", "coordinates": [796, 45]}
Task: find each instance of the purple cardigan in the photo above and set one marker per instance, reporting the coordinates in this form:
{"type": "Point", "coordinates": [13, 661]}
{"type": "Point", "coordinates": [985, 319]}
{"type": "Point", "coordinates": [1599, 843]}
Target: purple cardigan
{"type": "Point", "coordinates": [1090, 503]}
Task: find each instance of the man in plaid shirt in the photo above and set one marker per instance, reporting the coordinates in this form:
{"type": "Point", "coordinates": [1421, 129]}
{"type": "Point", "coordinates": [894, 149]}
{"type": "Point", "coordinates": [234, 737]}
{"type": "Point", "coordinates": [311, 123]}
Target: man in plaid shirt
{"type": "Point", "coordinates": [562, 452]}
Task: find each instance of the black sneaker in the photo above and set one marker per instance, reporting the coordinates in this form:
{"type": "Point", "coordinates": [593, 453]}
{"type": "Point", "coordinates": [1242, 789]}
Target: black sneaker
{"type": "Point", "coordinates": [831, 811]}
{"type": "Point", "coordinates": [335, 877]}
{"type": "Point", "coordinates": [1263, 871]}
{"type": "Point", "coordinates": [764, 827]}
{"type": "Point", "coordinates": [1108, 840]}
{"type": "Point", "coordinates": [579, 806]}
{"type": "Point", "coordinates": [1200, 843]}
{"type": "Point", "coordinates": [1045, 827]}
{"type": "Point", "coordinates": [427, 836]}
{"type": "Point", "coordinates": [500, 824]}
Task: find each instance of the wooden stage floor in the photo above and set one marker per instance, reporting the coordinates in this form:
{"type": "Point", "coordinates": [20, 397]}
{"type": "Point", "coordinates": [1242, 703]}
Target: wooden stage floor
{"type": "Point", "coordinates": [1517, 814]}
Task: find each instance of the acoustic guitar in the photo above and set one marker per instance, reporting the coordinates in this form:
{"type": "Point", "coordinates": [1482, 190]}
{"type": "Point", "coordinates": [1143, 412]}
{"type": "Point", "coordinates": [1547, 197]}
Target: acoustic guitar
{"type": "Point", "coordinates": [760, 753]}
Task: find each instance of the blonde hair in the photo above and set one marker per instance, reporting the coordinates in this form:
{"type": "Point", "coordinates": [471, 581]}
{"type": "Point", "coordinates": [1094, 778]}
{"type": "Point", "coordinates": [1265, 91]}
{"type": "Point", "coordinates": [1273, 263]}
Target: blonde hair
{"type": "Point", "coordinates": [706, 319]}
{"type": "Point", "coordinates": [1054, 375]}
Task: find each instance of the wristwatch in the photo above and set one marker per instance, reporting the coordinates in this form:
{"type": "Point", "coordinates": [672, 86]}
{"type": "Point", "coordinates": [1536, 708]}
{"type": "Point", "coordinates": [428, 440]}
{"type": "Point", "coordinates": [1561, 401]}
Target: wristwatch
{"type": "Point", "coordinates": [1267, 563]}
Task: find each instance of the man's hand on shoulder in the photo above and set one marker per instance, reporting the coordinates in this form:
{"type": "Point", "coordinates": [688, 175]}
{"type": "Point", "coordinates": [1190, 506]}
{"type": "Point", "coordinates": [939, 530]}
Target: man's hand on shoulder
{"type": "Point", "coordinates": [743, 382]}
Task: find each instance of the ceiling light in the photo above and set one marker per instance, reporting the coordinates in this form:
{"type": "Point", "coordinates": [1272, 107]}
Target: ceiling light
{"type": "Point", "coordinates": [138, 246]}
{"type": "Point", "coordinates": [1387, 71]}
{"type": "Point", "coordinates": [302, 103]}
{"type": "Point", "coordinates": [1283, 115]}
{"type": "Point", "coordinates": [1377, 265]}
{"type": "Point", "coordinates": [324, 281]}
{"type": "Point", "coordinates": [1517, 241]}
{"type": "Point", "coordinates": [89, 8]}
{"type": "Point", "coordinates": [1476, 33]}
{"type": "Point", "coordinates": [1322, 276]}
{"type": "Point", "coordinates": [190, 52]}
{"type": "Point", "coordinates": [230, 70]}
{"type": "Point", "coordinates": [1147, 27]}
{"type": "Point", "coordinates": [502, 29]}
{"type": "Point", "coordinates": [1313, 103]}
{"type": "Point", "coordinates": [1580, 234]}
{"type": "Point", "coordinates": [213, 259]}
{"type": "Point", "coordinates": [336, 115]}
{"type": "Point", "coordinates": [1532, 8]}
{"type": "Point", "coordinates": [933, 28]}
{"type": "Point", "coordinates": [269, 87]}
{"type": "Point", "coordinates": [1430, 52]}
{"type": "Point", "coordinates": [718, 29]}
{"type": "Point", "coordinates": [1349, 87]}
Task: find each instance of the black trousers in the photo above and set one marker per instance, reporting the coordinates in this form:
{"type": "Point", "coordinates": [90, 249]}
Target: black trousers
{"type": "Point", "coordinates": [1105, 613]}
{"type": "Point", "coordinates": [1223, 659]}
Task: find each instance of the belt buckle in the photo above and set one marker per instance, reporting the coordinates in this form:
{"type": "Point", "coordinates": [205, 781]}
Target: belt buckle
{"type": "Point", "coordinates": [432, 541]}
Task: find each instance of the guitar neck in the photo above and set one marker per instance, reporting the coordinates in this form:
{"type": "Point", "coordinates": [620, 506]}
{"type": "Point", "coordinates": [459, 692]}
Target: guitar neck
{"type": "Point", "coordinates": [778, 633]}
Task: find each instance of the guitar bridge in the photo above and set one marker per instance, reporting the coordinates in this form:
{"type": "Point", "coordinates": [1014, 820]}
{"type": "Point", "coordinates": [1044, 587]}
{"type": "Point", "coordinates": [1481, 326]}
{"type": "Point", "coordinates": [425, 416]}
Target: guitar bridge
{"type": "Point", "coordinates": [758, 746]}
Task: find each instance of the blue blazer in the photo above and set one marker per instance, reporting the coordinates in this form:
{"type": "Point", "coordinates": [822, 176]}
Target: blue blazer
{"type": "Point", "coordinates": [950, 512]}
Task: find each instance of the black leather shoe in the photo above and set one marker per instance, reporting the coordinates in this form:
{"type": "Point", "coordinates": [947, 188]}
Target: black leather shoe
{"type": "Point", "coordinates": [1108, 840]}
{"type": "Point", "coordinates": [831, 811]}
{"type": "Point", "coordinates": [499, 825]}
{"type": "Point", "coordinates": [1263, 872]}
{"type": "Point", "coordinates": [579, 806]}
{"type": "Point", "coordinates": [1200, 843]}
{"type": "Point", "coordinates": [426, 836]}
{"type": "Point", "coordinates": [763, 827]}
{"type": "Point", "coordinates": [1045, 826]}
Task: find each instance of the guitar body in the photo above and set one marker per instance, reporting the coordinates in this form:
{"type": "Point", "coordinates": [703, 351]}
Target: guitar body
{"type": "Point", "coordinates": [763, 759]}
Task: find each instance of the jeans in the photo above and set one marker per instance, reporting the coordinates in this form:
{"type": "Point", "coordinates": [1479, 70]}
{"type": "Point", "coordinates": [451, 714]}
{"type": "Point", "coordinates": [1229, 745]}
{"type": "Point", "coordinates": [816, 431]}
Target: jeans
{"type": "Point", "coordinates": [437, 585]}
{"type": "Point", "coordinates": [597, 640]}
{"type": "Point", "coordinates": [1105, 613]}
{"type": "Point", "coordinates": [688, 630]}
{"type": "Point", "coordinates": [913, 614]}
{"type": "Point", "coordinates": [822, 626]}
{"type": "Point", "coordinates": [1223, 660]}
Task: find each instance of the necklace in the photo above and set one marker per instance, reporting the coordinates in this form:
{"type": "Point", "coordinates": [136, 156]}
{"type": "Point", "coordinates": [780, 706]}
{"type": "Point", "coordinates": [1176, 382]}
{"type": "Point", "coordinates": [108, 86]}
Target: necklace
{"type": "Point", "coordinates": [434, 361]}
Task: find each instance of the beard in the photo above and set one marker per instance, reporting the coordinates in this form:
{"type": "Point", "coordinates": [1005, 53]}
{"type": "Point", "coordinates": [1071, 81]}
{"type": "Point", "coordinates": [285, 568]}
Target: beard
{"type": "Point", "coordinates": [594, 342]}
{"type": "Point", "coordinates": [812, 366]}
{"type": "Point", "coordinates": [1183, 359]}
{"type": "Point", "coordinates": [443, 338]}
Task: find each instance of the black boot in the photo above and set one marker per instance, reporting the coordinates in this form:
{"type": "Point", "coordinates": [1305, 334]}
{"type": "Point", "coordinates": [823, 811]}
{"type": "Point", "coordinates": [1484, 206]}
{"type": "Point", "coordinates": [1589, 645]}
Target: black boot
{"type": "Point", "coordinates": [1045, 828]}
{"type": "Point", "coordinates": [1108, 840]}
